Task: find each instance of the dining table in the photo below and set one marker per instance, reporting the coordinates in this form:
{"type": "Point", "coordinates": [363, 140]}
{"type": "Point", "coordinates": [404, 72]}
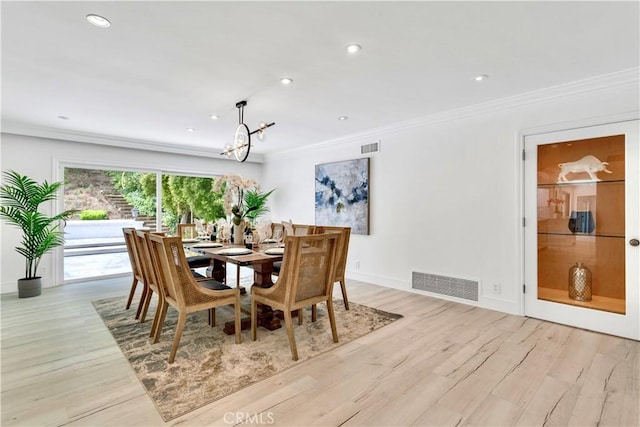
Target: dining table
{"type": "Point", "coordinates": [260, 258]}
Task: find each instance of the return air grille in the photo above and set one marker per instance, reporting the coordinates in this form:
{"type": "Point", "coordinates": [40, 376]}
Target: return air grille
{"type": "Point", "coordinates": [444, 285]}
{"type": "Point", "coordinates": [370, 148]}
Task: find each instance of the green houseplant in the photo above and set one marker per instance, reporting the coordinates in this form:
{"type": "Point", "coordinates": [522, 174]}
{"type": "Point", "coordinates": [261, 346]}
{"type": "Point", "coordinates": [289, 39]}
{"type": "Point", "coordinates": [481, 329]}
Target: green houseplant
{"type": "Point", "coordinates": [21, 198]}
{"type": "Point", "coordinates": [256, 203]}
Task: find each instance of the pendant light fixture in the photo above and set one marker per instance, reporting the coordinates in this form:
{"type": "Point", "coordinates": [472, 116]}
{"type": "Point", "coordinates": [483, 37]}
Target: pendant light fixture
{"type": "Point", "coordinates": [242, 137]}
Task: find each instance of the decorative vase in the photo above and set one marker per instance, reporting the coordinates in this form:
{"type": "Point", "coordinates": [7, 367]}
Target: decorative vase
{"type": "Point", "coordinates": [29, 287]}
{"type": "Point", "coordinates": [580, 282]}
{"type": "Point", "coordinates": [238, 233]}
{"type": "Point", "coordinates": [581, 222]}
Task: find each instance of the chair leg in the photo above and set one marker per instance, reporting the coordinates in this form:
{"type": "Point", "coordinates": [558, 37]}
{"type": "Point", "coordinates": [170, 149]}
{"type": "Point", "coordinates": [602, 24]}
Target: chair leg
{"type": "Point", "coordinates": [212, 317]}
{"type": "Point", "coordinates": [163, 315]}
{"type": "Point", "coordinates": [288, 321]}
{"type": "Point", "coordinates": [156, 317]}
{"type": "Point", "coordinates": [182, 319]}
{"type": "Point", "coordinates": [236, 309]}
{"type": "Point", "coordinates": [332, 319]}
{"type": "Point", "coordinates": [343, 287]}
{"type": "Point", "coordinates": [254, 319]}
{"type": "Point", "coordinates": [134, 285]}
{"type": "Point", "coordinates": [145, 307]}
{"type": "Point", "coordinates": [299, 316]}
{"type": "Point", "coordinates": [145, 289]}
{"type": "Point", "coordinates": [314, 312]}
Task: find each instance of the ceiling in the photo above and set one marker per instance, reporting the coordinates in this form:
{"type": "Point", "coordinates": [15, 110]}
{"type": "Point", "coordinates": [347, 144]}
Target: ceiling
{"type": "Point", "coordinates": [163, 67]}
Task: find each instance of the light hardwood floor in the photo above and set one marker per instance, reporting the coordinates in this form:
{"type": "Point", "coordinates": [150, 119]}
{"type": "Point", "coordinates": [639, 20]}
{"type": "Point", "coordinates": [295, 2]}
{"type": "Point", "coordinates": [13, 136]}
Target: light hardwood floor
{"type": "Point", "coordinates": [442, 364]}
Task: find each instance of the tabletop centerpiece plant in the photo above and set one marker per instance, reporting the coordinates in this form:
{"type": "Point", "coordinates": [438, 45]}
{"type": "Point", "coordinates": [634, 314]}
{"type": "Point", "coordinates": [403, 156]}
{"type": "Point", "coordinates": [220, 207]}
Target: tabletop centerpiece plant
{"type": "Point", "coordinates": [21, 198]}
{"type": "Point", "coordinates": [243, 201]}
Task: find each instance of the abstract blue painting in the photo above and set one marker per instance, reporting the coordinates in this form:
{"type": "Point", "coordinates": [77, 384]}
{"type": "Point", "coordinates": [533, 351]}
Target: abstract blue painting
{"type": "Point", "coordinates": [342, 194]}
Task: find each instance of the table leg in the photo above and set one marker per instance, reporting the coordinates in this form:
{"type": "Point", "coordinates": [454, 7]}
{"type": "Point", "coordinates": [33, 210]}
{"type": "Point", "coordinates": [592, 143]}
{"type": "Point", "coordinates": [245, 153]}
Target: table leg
{"type": "Point", "coordinates": [262, 274]}
{"type": "Point", "coordinates": [262, 277]}
{"type": "Point", "coordinates": [243, 291]}
{"type": "Point", "coordinates": [217, 270]}
{"type": "Point", "coordinates": [266, 318]}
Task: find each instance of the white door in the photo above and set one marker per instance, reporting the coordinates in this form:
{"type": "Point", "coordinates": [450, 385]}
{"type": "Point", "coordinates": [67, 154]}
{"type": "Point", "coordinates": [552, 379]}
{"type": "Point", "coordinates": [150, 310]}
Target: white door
{"type": "Point", "coordinates": [582, 216]}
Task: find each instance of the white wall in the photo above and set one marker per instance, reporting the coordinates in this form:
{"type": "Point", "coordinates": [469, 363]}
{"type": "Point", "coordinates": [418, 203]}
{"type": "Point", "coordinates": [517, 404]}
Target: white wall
{"type": "Point", "coordinates": [42, 158]}
{"type": "Point", "coordinates": [445, 190]}
{"type": "Point", "coordinates": [445, 193]}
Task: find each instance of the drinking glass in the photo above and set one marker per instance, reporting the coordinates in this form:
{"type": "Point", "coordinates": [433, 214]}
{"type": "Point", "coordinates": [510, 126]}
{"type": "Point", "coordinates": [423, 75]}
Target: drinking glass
{"type": "Point", "coordinates": [226, 234]}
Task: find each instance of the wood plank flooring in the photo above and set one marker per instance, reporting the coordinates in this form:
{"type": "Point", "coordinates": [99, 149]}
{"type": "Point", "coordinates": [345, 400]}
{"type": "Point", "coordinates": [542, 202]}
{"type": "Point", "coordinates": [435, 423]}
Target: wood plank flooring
{"type": "Point", "coordinates": [443, 364]}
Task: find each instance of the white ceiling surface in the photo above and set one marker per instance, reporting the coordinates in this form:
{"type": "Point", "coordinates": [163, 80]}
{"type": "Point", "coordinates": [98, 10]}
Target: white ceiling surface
{"type": "Point", "coordinates": [163, 67]}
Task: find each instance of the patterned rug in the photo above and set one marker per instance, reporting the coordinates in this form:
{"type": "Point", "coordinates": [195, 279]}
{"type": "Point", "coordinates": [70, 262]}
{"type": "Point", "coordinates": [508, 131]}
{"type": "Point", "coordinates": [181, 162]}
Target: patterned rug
{"type": "Point", "coordinates": [209, 365]}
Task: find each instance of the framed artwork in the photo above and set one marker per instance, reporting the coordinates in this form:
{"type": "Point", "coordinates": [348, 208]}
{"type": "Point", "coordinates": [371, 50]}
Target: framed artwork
{"type": "Point", "coordinates": [342, 194]}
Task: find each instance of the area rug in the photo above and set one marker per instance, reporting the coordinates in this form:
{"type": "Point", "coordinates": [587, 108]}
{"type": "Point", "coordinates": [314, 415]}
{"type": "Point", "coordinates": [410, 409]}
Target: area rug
{"type": "Point", "coordinates": [209, 365]}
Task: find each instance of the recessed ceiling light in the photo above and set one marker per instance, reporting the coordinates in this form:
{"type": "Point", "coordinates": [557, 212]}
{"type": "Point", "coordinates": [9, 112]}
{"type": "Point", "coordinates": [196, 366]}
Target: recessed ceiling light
{"type": "Point", "coordinates": [481, 77]}
{"type": "Point", "coordinates": [63, 117]}
{"type": "Point", "coordinates": [353, 48]}
{"type": "Point", "coordinates": [214, 117]}
{"type": "Point", "coordinates": [286, 80]}
{"type": "Point", "coordinates": [343, 118]}
{"type": "Point", "coordinates": [191, 130]}
{"type": "Point", "coordinates": [98, 21]}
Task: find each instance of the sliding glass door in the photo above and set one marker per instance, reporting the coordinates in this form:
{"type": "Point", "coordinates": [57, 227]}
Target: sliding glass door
{"type": "Point", "coordinates": [107, 201]}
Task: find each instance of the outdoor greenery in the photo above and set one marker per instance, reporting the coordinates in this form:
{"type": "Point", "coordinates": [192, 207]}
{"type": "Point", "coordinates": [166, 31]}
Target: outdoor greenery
{"type": "Point", "coordinates": [139, 189]}
{"type": "Point", "coordinates": [93, 214]}
{"type": "Point", "coordinates": [21, 198]}
{"type": "Point", "coordinates": [184, 198]}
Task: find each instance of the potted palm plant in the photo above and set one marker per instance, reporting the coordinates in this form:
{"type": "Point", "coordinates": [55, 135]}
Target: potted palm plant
{"type": "Point", "coordinates": [21, 197]}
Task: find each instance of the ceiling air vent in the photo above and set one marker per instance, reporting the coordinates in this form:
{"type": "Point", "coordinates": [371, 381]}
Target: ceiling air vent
{"type": "Point", "coordinates": [370, 148]}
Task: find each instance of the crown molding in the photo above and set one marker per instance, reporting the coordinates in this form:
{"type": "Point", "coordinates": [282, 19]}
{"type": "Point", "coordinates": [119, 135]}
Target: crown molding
{"type": "Point", "coordinates": [624, 78]}
{"type": "Point", "coordinates": [114, 141]}
{"type": "Point", "coordinates": [579, 124]}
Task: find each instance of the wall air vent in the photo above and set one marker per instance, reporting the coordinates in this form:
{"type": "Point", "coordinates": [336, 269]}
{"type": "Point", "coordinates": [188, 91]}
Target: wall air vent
{"type": "Point", "coordinates": [444, 285]}
{"type": "Point", "coordinates": [370, 148]}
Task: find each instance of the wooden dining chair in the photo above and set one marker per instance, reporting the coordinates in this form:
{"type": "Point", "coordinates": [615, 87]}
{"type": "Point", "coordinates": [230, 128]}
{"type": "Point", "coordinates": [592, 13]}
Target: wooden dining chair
{"type": "Point", "coordinates": [148, 273]}
{"type": "Point", "coordinates": [341, 258]}
{"type": "Point", "coordinates": [275, 228]}
{"type": "Point", "coordinates": [303, 229]}
{"type": "Point", "coordinates": [136, 269]}
{"type": "Point", "coordinates": [187, 232]}
{"type": "Point", "coordinates": [155, 285]}
{"type": "Point", "coordinates": [278, 229]}
{"type": "Point", "coordinates": [306, 278]}
{"type": "Point", "coordinates": [145, 273]}
{"type": "Point", "coordinates": [287, 229]}
{"type": "Point", "coordinates": [290, 229]}
{"type": "Point", "coordinates": [182, 291]}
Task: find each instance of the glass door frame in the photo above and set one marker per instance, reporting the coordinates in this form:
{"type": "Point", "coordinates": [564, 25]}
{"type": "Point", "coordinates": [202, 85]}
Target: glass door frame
{"type": "Point", "coordinates": [627, 325]}
{"type": "Point", "coordinates": [60, 165]}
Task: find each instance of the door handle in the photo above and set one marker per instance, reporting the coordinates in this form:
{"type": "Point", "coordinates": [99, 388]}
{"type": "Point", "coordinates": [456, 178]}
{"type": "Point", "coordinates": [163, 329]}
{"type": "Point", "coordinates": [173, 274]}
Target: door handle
{"type": "Point", "coordinates": [634, 242]}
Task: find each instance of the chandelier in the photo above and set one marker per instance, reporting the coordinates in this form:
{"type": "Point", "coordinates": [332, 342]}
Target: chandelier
{"type": "Point", "coordinates": [242, 137]}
